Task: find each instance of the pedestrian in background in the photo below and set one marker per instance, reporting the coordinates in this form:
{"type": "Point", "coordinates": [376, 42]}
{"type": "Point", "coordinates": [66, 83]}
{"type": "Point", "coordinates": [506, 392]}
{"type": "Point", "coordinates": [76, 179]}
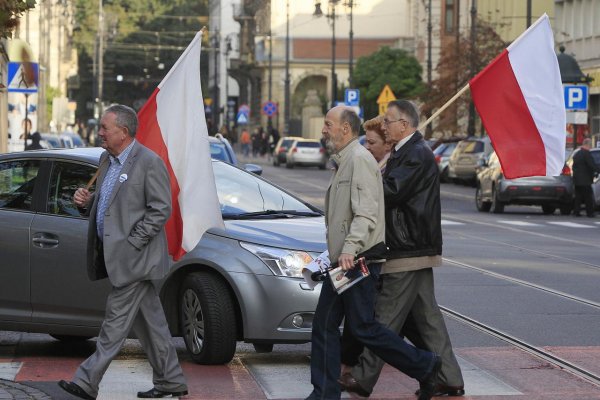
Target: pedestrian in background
{"type": "Point", "coordinates": [245, 140]}
{"type": "Point", "coordinates": [35, 142]}
{"type": "Point", "coordinates": [406, 302]}
{"type": "Point", "coordinates": [127, 244]}
{"type": "Point", "coordinates": [584, 169]}
{"type": "Point", "coordinates": [354, 217]}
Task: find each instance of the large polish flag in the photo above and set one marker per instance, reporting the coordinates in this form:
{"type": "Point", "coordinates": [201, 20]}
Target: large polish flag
{"type": "Point", "coordinates": [519, 97]}
{"type": "Point", "coordinates": [173, 125]}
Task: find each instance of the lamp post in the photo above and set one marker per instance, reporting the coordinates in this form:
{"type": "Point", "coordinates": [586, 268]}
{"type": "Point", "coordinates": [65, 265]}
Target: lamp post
{"type": "Point", "coordinates": [287, 70]}
{"type": "Point", "coordinates": [228, 49]}
{"type": "Point", "coordinates": [331, 15]}
{"type": "Point", "coordinates": [270, 117]}
{"type": "Point", "coordinates": [471, 124]}
{"type": "Point", "coordinates": [215, 100]}
{"type": "Point", "coordinates": [351, 52]}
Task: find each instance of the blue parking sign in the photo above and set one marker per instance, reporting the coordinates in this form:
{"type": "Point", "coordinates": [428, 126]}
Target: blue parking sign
{"type": "Point", "coordinates": [576, 97]}
{"type": "Point", "coordinates": [352, 97]}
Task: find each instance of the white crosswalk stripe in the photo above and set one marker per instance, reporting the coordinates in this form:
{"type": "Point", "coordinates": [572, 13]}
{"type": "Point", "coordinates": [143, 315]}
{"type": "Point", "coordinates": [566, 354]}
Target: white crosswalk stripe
{"type": "Point", "coordinates": [570, 224]}
{"type": "Point", "coordinates": [448, 222]}
{"type": "Point", "coordinates": [519, 223]}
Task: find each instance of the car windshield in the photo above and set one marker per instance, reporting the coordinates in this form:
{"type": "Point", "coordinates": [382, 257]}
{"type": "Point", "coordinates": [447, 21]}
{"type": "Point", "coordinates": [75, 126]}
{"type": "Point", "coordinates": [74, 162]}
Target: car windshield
{"type": "Point", "coordinates": [596, 157]}
{"type": "Point", "coordinates": [471, 146]}
{"type": "Point", "coordinates": [219, 152]}
{"type": "Point", "coordinates": [244, 195]}
{"type": "Point", "coordinates": [287, 143]}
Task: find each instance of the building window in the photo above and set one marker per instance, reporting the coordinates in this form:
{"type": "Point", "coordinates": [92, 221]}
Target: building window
{"type": "Point", "coordinates": [449, 15]}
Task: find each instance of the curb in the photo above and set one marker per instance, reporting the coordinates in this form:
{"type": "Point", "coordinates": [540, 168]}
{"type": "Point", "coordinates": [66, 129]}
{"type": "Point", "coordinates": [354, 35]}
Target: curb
{"type": "Point", "coordinates": [10, 390]}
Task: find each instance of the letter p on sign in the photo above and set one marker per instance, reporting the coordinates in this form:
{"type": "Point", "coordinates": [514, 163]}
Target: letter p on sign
{"type": "Point", "coordinates": [576, 97]}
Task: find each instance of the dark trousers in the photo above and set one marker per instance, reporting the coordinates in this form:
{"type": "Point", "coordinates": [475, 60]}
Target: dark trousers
{"type": "Point", "coordinates": [357, 304]}
{"type": "Point", "coordinates": [584, 194]}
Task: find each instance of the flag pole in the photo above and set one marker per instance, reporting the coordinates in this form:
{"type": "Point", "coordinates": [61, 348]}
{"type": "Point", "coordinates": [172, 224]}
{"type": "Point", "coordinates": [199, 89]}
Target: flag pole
{"type": "Point", "coordinates": [442, 108]}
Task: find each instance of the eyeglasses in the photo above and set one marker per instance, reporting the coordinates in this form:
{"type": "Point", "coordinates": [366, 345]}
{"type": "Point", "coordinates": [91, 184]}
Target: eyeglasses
{"type": "Point", "coordinates": [387, 121]}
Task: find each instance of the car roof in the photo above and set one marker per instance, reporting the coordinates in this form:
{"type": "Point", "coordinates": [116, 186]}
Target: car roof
{"type": "Point", "coordinates": [87, 154]}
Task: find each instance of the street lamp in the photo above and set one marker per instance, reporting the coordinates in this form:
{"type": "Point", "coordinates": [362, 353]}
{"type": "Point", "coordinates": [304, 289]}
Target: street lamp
{"type": "Point", "coordinates": [286, 115]}
{"type": "Point", "coordinates": [331, 16]}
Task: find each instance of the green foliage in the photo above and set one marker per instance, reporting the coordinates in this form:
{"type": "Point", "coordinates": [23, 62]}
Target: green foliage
{"type": "Point", "coordinates": [139, 35]}
{"type": "Point", "coordinates": [51, 93]}
{"type": "Point", "coordinates": [393, 67]}
{"type": "Point", "coordinates": [10, 11]}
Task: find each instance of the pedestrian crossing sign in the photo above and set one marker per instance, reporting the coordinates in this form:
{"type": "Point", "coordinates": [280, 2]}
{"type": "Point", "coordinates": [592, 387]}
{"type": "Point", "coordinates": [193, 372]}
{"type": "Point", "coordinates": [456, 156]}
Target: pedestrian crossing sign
{"type": "Point", "coordinates": [22, 77]}
{"type": "Point", "coordinates": [242, 118]}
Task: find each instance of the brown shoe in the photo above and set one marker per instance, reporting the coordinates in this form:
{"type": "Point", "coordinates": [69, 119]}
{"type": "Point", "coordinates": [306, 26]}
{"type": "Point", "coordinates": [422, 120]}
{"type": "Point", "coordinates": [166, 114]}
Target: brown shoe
{"type": "Point", "coordinates": [444, 390]}
{"type": "Point", "coordinates": [349, 384]}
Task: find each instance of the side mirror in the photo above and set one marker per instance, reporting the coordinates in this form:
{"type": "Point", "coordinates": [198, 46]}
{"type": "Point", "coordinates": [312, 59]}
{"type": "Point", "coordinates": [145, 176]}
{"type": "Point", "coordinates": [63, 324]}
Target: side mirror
{"type": "Point", "coordinates": [255, 169]}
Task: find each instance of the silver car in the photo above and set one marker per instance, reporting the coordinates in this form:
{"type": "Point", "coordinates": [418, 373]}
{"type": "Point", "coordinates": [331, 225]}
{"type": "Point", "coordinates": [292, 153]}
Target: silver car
{"type": "Point", "coordinates": [306, 152]}
{"type": "Point", "coordinates": [241, 283]}
{"type": "Point", "coordinates": [468, 156]}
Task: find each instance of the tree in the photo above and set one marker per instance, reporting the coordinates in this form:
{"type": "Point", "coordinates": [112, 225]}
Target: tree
{"type": "Point", "coordinates": [9, 15]}
{"type": "Point", "coordinates": [394, 67]}
{"type": "Point", "coordinates": [454, 72]}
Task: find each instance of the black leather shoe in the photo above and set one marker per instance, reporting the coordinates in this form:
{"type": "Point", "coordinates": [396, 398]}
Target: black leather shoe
{"type": "Point", "coordinates": [349, 384]}
{"type": "Point", "coordinates": [155, 393]}
{"type": "Point", "coordinates": [429, 384]}
{"type": "Point", "coordinates": [75, 390]}
{"type": "Point", "coordinates": [444, 390]}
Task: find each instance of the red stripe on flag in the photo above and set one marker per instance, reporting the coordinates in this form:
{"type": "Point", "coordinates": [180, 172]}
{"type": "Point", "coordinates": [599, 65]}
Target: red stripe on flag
{"type": "Point", "coordinates": [506, 117]}
{"type": "Point", "coordinates": [149, 134]}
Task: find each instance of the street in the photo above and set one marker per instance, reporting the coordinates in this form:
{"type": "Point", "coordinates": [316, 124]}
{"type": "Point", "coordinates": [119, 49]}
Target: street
{"type": "Point", "coordinates": [519, 291]}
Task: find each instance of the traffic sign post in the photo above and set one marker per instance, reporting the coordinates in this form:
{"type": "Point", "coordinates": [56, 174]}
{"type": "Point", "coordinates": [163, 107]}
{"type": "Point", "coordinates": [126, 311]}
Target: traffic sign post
{"type": "Point", "coordinates": [269, 108]}
{"type": "Point", "coordinates": [352, 97]}
{"type": "Point", "coordinates": [23, 77]}
{"type": "Point", "coordinates": [384, 98]}
{"type": "Point", "coordinates": [576, 97]}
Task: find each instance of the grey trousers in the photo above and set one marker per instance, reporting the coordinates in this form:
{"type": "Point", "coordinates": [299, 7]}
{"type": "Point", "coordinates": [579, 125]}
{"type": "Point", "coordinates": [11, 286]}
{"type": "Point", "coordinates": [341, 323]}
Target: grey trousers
{"type": "Point", "coordinates": [136, 306]}
{"type": "Point", "coordinates": [403, 294]}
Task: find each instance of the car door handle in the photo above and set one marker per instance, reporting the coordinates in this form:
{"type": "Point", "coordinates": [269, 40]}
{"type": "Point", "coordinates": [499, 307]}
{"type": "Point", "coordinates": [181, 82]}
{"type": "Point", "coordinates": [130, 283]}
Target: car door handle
{"type": "Point", "coordinates": [45, 240]}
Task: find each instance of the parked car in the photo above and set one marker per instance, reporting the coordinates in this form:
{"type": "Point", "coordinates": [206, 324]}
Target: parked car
{"type": "Point", "coordinates": [220, 149]}
{"type": "Point", "coordinates": [70, 140]}
{"type": "Point", "coordinates": [280, 152]}
{"type": "Point", "coordinates": [595, 152]}
{"type": "Point", "coordinates": [442, 153]}
{"type": "Point", "coordinates": [50, 141]}
{"type": "Point", "coordinates": [494, 191]}
{"type": "Point", "coordinates": [240, 283]}
{"type": "Point", "coordinates": [307, 153]}
{"type": "Point", "coordinates": [468, 156]}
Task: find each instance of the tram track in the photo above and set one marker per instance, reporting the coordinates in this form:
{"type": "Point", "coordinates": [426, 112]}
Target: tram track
{"type": "Point", "coordinates": [560, 362]}
{"type": "Point", "coordinates": [525, 283]}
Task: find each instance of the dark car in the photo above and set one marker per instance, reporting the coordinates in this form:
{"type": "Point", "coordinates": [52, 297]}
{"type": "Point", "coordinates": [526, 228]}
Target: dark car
{"type": "Point", "coordinates": [240, 283]}
{"type": "Point", "coordinates": [494, 191]}
{"type": "Point", "coordinates": [442, 153]}
{"type": "Point", "coordinates": [220, 149]}
{"type": "Point", "coordinates": [280, 152]}
{"type": "Point", "coordinates": [595, 152]}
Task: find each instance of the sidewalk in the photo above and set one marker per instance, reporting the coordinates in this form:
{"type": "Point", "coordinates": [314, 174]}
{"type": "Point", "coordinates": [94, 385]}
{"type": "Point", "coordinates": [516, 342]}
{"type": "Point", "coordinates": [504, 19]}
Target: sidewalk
{"type": "Point", "coordinates": [12, 390]}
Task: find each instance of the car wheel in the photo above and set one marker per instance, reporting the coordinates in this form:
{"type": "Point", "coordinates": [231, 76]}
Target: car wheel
{"type": "Point", "coordinates": [207, 317]}
{"type": "Point", "coordinates": [322, 166]}
{"type": "Point", "coordinates": [263, 347]}
{"type": "Point", "coordinates": [71, 338]}
{"type": "Point", "coordinates": [497, 206]}
{"type": "Point", "coordinates": [548, 209]}
{"type": "Point", "coordinates": [483, 206]}
{"type": "Point", "coordinates": [565, 210]}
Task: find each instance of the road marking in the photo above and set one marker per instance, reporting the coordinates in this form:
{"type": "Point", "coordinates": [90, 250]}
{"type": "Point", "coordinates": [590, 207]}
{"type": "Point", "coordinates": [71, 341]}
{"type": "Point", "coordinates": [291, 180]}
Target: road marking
{"type": "Point", "coordinates": [570, 224]}
{"type": "Point", "coordinates": [448, 222]}
{"type": "Point", "coordinates": [9, 370]}
{"type": "Point", "coordinates": [519, 223]}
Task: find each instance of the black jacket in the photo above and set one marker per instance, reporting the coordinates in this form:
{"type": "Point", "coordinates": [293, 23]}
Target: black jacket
{"type": "Point", "coordinates": [583, 168]}
{"type": "Point", "coordinates": [411, 187]}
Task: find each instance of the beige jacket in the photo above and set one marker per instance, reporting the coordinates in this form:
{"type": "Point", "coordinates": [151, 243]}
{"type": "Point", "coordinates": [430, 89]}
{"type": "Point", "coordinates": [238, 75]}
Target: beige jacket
{"type": "Point", "coordinates": [354, 209]}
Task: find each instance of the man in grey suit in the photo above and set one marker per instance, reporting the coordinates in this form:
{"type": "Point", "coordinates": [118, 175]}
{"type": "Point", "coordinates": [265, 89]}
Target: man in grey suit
{"type": "Point", "coordinates": [127, 244]}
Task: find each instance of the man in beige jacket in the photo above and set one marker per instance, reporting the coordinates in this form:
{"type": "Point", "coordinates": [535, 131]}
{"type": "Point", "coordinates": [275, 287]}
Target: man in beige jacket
{"type": "Point", "coordinates": [354, 215]}
{"type": "Point", "coordinates": [413, 235]}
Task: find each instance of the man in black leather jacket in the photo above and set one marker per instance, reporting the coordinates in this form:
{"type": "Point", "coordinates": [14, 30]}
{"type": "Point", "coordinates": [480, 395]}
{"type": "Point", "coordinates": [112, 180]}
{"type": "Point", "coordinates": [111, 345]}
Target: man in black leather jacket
{"type": "Point", "coordinates": [413, 235]}
{"type": "Point", "coordinates": [584, 169]}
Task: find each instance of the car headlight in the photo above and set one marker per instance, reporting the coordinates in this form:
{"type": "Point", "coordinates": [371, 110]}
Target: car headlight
{"type": "Point", "coordinates": [283, 262]}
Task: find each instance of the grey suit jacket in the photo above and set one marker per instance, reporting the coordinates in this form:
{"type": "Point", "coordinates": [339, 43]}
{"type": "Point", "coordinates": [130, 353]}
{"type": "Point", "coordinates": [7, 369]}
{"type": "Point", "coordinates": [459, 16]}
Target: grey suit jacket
{"type": "Point", "coordinates": [134, 242]}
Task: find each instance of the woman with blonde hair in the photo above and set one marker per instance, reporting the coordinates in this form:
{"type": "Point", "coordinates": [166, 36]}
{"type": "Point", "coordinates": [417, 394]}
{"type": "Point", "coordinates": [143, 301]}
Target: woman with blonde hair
{"type": "Point", "coordinates": [377, 142]}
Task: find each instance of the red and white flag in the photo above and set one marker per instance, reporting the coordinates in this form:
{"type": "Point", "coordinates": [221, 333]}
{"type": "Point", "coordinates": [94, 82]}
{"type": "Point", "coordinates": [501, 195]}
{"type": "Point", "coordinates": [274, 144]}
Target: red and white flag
{"type": "Point", "coordinates": [519, 97]}
{"type": "Point", "coordinates": [173, 125]}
